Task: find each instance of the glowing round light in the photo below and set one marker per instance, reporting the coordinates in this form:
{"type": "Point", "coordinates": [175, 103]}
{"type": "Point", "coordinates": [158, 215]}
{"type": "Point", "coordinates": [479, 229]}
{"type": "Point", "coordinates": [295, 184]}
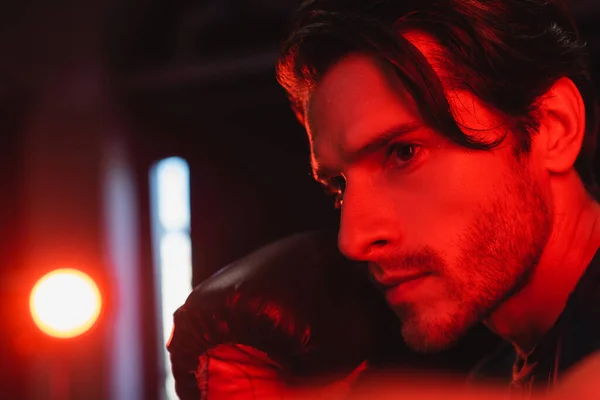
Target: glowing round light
{"type": "Point", "coordinates": [65, 303]}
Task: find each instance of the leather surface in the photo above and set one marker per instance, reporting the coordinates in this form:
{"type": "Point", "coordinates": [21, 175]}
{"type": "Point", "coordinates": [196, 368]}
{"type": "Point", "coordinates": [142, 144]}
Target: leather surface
{"type": "Point", "coordinates": [314, 315]}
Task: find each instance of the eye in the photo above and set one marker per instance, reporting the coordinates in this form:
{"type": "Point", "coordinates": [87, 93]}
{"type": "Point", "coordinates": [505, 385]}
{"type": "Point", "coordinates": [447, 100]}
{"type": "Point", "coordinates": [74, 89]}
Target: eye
{"type": "Point", "coordinates": [335, 187]}
{"type": "Point", "coordinates": [401, 154]}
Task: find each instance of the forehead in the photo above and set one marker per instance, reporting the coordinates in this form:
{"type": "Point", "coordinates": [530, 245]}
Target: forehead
{"type": "Point", "coordinates": [360, 80]}
{"type": "Point", "coordinates": [358, 98]}
{"type": "Point", "coordinates": [352, 89]}
{"type": "Point", "coordinates": [362, 95]}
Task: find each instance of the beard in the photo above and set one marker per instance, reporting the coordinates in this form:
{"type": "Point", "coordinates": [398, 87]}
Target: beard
{"type": "Point", "coordinates": [499, 250]}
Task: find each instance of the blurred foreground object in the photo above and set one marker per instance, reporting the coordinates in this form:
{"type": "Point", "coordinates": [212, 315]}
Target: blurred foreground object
{"type": "Point", "coordinates": [580, 383]}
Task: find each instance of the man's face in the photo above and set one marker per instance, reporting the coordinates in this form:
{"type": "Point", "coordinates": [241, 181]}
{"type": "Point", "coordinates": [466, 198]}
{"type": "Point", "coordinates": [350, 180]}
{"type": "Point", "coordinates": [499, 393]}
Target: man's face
{"type": "Point", "coordinates": [448, 231]}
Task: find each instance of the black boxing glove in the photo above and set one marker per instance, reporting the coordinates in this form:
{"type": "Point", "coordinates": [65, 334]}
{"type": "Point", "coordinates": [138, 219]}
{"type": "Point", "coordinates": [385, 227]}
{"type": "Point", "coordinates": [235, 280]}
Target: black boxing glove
{"type": "Point", "coordinates": [292, 313]}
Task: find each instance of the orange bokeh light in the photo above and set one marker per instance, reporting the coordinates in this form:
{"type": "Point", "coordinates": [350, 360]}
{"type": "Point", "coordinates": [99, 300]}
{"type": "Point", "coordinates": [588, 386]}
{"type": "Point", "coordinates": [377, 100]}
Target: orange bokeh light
{"type": "Point", "coordinates": [65, 303]}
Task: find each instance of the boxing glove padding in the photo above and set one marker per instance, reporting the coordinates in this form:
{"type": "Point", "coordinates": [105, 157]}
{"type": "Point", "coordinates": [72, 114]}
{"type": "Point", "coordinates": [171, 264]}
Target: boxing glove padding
{"type": "Point", "coordinates": [314, 313]}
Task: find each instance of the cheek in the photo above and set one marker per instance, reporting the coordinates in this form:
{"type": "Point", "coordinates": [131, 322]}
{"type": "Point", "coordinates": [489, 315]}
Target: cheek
{"type": "Point", "coordinates": [441, 199]}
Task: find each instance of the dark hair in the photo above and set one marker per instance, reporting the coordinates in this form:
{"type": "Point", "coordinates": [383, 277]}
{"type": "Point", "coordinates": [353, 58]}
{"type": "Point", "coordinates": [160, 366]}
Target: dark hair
{"type": "Point", "coordinates": [506, 52]}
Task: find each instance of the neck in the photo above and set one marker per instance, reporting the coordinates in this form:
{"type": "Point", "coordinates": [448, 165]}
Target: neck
{"type": "Point", "coordinates": [526, 316]}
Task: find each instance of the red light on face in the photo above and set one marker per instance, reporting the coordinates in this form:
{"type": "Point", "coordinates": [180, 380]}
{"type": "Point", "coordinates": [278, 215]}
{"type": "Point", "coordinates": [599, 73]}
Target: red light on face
{"type": "Point", "coordinates": [65, 303]}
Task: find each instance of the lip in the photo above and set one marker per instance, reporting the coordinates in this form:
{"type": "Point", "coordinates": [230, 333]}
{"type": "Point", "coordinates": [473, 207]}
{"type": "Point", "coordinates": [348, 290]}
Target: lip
{"type": "Point", "coordinates": [395, 281]}
{"type": "Point", "coordinates": [401, 290]}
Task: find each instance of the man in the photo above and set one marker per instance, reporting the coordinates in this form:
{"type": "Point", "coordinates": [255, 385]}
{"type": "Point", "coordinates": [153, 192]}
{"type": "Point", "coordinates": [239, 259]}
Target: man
{"type": "Point", "coordinates": [458, 138]}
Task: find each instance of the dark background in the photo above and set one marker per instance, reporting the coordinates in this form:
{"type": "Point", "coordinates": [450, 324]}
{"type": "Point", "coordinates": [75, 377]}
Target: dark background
{"type": "Point", "coordinates": [86, 82]}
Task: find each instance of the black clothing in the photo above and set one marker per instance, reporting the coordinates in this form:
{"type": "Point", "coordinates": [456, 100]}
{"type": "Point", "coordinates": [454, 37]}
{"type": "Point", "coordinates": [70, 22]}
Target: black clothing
{"type": "Point", "coordinates": [575, 335]}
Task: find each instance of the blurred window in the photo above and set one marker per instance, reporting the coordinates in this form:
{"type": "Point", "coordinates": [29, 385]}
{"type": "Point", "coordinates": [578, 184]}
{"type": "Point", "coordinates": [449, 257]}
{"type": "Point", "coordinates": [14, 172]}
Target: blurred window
{"type": "Point", "coordinates": [170, 208]}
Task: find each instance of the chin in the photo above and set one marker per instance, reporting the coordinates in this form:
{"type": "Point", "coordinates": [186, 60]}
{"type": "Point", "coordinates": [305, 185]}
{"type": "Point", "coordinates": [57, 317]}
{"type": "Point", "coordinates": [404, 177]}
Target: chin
{"type": "Point", "coordinates": [431, 334]}
{"type": "Point", "coordinates": [426, 343]}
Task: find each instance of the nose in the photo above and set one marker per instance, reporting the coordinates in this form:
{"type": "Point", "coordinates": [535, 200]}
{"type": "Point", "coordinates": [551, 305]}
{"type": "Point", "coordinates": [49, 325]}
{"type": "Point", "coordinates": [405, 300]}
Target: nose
{"type": "Point", "coordinates": [367, 225]}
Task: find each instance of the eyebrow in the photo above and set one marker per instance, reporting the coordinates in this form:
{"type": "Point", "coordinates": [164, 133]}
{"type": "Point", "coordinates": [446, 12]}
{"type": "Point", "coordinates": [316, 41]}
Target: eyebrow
{"type": "Point", "coordinates": [375, 143]}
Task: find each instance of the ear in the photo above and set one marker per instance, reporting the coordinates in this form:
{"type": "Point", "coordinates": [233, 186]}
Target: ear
{"type": "Point", "coordinates": [562, 126]}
